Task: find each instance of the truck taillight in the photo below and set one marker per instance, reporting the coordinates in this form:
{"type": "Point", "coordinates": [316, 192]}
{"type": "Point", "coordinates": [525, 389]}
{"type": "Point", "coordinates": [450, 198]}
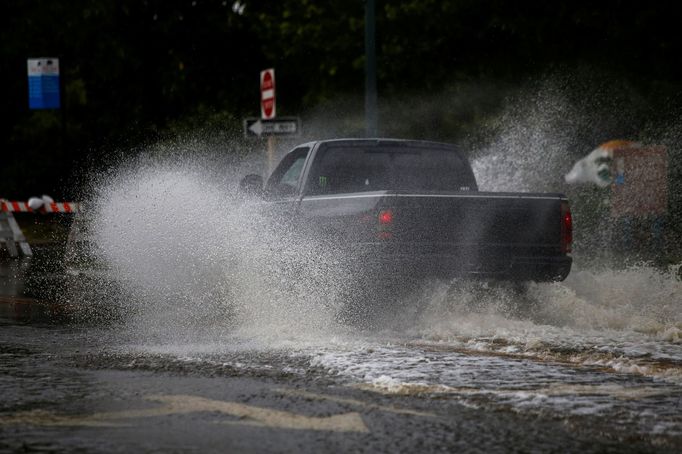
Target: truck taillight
{"type": "Point", "coordinates": [385, 217]}
{"type": "Point", "coordinates": [385, 220]}
{"type": "Point", "coordinates": [566, 227]}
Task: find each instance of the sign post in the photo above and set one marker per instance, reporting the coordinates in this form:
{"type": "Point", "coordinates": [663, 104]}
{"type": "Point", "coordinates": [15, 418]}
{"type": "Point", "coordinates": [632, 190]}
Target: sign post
{"type": "Point", "coordinates": [269, 125]}
{"type": "Point", "coordinates": [43, 83]}
{"type": "Point", "coordinates": [371, 121]}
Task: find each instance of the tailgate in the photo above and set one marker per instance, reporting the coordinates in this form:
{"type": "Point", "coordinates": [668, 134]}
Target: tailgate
{"type": "Point", "coordinates": [523, 222]}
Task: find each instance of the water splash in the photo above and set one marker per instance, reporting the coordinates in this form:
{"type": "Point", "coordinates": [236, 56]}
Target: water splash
{"type": "Point", "coordinates": [195, 259]}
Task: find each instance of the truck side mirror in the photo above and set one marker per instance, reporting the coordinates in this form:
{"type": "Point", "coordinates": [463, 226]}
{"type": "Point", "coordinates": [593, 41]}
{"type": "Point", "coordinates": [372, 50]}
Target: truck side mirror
{"type": "Point", "coordinates": [251, 185]}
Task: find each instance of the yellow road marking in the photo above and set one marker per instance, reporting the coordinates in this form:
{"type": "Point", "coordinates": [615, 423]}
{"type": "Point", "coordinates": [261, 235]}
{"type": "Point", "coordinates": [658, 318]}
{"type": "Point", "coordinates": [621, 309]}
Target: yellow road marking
{"type": "Point", "coordinates": [182, 404]}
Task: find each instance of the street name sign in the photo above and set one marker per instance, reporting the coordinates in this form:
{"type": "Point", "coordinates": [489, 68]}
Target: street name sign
{"type": "Point", "coordinates": [268, 108]}
{"type": "Point", "coordinates": [283, 126]}
{"type": "Point", "coordinates": [43, 83]}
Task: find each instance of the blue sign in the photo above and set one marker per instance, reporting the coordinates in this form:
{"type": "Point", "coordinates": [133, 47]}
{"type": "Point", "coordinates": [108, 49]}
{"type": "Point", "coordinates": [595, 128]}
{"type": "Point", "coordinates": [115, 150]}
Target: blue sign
{"type": "Point", "coordinates": [43, 83]}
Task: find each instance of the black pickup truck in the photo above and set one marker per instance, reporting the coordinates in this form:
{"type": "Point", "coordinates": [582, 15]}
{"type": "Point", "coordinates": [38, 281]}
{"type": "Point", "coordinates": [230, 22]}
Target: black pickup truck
{"type": "Point", "coordinates": [413, 208]}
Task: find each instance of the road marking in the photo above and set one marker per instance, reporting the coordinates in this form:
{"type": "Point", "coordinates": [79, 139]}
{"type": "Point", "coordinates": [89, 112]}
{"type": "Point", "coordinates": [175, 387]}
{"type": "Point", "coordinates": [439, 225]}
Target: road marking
{"type": "Point", "coordinates": [183, 404]}
{"type": "Point", "coordinates": [359, 403]}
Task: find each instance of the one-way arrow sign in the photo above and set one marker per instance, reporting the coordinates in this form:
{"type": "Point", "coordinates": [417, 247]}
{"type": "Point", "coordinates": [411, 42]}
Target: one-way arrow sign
{"type": "Point", "coordinates": [282, 126]}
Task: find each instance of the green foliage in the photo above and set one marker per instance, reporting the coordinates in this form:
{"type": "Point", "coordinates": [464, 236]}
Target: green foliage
{"type": "Point", "coordinates": [136, 71]}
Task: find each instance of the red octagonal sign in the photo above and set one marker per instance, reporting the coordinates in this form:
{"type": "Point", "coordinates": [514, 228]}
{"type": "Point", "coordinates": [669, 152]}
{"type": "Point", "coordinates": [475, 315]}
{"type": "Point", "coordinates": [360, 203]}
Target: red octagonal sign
{"type": "Point", "coordinates": [267, 94]}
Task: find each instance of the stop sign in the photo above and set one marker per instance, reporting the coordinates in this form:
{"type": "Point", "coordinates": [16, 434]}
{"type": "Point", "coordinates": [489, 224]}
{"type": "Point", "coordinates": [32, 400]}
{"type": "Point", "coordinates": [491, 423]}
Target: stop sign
{"type": "Point", "coordinates": [267, 94]}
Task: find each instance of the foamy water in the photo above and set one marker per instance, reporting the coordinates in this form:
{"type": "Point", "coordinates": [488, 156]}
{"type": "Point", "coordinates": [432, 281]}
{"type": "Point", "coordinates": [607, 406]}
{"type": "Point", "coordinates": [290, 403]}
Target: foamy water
{"type": "Point", "coordinates": [194, 259]}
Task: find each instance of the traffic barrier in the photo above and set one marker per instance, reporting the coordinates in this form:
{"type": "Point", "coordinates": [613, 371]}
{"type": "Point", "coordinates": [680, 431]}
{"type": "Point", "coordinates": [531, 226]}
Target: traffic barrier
{"type": "Point", "coordinates": [52, 207]}
{"type": "Point", "coordinates": [10, 232]}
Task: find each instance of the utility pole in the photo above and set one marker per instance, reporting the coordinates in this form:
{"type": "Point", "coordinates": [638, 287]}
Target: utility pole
{"type": "Point", "coordinates": [371, 122]}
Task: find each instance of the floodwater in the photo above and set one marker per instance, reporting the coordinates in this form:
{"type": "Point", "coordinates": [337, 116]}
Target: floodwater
{"type": "Point", "coordinates": [593, 348]}
{"type": "Point", "coordinates": [598, 353]}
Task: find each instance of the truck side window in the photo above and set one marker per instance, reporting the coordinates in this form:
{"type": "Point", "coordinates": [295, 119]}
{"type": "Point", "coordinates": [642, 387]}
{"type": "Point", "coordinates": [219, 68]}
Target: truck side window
{"type": "Point", "coordinates": [284, 180]}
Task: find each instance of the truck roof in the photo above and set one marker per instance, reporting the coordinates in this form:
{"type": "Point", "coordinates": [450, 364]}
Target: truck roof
{"type": "Point", "coordinates": [383, 141]}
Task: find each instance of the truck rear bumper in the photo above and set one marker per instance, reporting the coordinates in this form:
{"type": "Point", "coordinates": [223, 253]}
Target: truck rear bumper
{"type": "Point", "coordinates": [468, 265]}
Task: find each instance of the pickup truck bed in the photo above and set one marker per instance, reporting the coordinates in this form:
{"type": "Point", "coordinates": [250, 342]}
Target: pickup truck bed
{"type": "Point", "coordinates": [486, 235]}
{"type": "Point", "coordinates": [413, 208]}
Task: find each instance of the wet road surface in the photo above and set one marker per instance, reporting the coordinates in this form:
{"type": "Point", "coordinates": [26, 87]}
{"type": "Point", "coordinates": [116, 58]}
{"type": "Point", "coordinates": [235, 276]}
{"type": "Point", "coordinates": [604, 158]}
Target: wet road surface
{"type": "Point", "coordinates": [70, 389]}
{"type": "Point", "coordinates": [596, 367]}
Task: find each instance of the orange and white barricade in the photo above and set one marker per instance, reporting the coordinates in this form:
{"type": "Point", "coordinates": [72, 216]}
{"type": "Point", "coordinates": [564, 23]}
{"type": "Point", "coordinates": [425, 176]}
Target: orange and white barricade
{"type": "Point", "coordinates": [10, 232]}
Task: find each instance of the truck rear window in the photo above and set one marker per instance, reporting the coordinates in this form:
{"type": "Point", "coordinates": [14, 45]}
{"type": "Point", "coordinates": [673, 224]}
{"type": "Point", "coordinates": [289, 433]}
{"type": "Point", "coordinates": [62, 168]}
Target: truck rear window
{"type": "Point", "coordinates": [357, 169]}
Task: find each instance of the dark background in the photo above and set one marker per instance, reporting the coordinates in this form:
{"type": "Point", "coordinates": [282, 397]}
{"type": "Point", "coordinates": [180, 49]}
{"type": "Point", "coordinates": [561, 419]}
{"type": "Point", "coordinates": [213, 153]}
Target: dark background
{"type": "Point", "coordinates": [137, 72]}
